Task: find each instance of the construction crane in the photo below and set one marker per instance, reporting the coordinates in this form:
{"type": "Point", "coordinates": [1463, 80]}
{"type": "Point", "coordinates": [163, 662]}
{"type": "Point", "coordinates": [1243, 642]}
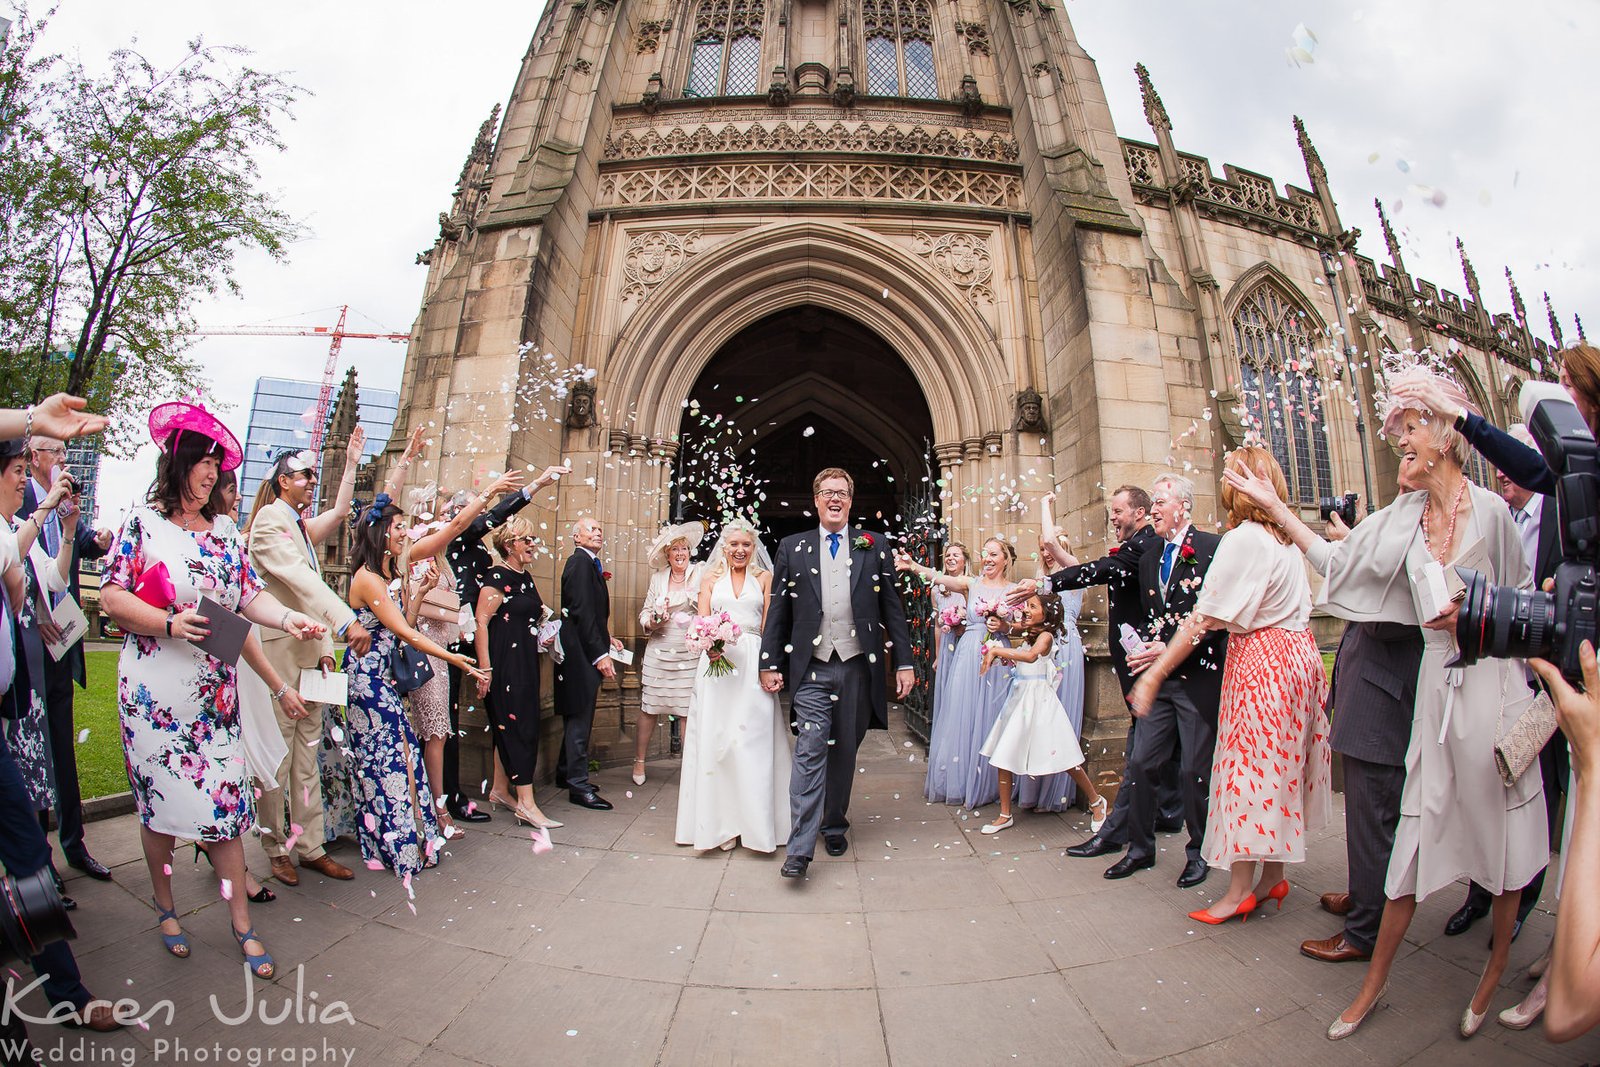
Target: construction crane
{"type": "Point", "coordinates": [336, 332]}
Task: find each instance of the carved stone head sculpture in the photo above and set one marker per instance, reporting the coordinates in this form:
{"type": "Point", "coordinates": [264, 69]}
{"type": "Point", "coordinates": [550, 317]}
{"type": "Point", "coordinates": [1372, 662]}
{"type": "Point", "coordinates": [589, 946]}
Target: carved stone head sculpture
{"type": "Point", "coordinates": [580, 406]}
{"type": "Point", "coordinates": [1030, 411]}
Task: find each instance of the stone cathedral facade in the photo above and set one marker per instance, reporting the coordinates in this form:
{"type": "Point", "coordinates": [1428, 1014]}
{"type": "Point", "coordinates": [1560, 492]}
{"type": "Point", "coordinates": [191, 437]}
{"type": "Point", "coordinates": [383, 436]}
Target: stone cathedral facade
{"type": "Point", "coordinates": [906, 238]}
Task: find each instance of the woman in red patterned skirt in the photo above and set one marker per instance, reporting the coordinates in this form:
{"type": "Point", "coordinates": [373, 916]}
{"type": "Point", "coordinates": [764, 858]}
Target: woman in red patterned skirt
{"type": "Point", "coordinates": [1270, 775]}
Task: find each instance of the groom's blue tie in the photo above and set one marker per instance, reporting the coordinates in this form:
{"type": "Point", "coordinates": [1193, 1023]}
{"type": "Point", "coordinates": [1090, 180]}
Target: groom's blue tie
{"type": "Point", "coordinates": [833, 545]}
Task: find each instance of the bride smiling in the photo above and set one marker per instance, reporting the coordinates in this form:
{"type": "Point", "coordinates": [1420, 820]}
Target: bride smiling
{"type": "Point", "coordinates": [734, 784]}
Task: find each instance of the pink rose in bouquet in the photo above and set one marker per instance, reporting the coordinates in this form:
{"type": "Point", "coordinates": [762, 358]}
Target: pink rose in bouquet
{"type": "Point", "coordinates": [711, 634]}
{"type": "Point", "coordinates": [952, 616]}
{"type": "Point", "coordinates": [1009, 614]}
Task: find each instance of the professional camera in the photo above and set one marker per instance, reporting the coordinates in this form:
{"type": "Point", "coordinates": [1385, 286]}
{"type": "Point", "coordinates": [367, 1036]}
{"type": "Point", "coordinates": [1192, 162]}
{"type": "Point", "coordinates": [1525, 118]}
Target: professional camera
{"type": "Point", "coordinates": [1500, 621]}
{"type": "Point", "coordinates": [1343, 506]}
{"type": "Point", "coordinates": [31, 915]}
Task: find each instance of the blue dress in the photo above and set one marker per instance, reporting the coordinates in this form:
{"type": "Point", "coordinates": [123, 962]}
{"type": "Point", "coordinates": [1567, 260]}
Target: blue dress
{"type": "Point", "coordinates": [966, 705]}
{"type": "Point", "coordinates": [394, 824]}
{"type": "Point", "coordinates": [1058, 791]}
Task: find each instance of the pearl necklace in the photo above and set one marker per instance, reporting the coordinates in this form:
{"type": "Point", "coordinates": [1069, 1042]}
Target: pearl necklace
{"type": "Point", "coordinates": [1450, 530]}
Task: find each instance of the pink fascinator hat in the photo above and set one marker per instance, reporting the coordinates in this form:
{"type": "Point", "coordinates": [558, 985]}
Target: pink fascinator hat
{"type": "Point", "coordinates": [181, 416]}
{"type": "Point", "coordinates": [1394, 409]}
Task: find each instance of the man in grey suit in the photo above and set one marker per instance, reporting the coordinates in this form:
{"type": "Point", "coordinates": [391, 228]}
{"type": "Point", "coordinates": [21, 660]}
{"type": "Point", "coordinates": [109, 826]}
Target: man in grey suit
{"type": "Point", "coordinates": [834, 615]}
{"type": "Point", "coordinates": [1374, 693]}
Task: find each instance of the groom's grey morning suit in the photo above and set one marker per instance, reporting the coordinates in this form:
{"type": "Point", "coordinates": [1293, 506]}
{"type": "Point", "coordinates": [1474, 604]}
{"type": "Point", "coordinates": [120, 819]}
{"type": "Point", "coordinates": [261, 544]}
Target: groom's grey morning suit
{"type": "Point", "coordinates": [835, 617]}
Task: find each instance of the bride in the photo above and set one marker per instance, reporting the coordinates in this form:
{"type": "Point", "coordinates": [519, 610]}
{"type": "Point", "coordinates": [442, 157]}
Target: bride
{"type": "Point", "coordinates": [734, 784]}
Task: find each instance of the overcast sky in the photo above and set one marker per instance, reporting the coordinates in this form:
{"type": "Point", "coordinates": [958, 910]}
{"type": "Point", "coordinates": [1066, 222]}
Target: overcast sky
{"type": "Point", "coordinates": [1487, 104]}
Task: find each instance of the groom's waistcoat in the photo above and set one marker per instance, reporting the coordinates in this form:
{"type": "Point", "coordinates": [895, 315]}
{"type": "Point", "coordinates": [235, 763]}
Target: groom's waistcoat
{"type": "Point", "coordinates": [838, 633]}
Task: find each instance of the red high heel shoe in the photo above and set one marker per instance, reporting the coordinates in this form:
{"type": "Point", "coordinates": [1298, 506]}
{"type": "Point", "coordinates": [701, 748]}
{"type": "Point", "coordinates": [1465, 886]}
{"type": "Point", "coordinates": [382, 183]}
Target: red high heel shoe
{"type": "Point", "coordinates": [1246, 906]}
{"type": "Point", "coordinates": [1277, 893]}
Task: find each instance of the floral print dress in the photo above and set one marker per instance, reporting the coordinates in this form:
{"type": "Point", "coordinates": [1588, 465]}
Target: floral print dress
{"type": "Point", "coordinates": [179, 706]}
{"type": "Point", "coordinates": [25, 725]}
{"type": "Point", "coordinates": [393, 826]}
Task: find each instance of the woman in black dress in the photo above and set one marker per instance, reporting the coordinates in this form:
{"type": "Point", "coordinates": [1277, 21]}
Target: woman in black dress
{"type": "Point", "coordinates": [507, 644]}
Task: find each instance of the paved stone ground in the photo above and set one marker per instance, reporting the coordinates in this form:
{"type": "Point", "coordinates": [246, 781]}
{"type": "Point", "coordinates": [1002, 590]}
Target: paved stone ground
{"type": "Point", "coordinates": [925, 944]}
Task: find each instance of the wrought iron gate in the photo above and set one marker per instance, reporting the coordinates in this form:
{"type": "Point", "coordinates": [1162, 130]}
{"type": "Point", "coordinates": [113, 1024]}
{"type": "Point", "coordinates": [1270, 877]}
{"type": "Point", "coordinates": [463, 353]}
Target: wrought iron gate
{"type": "Point", "coordinates": [924, 540]}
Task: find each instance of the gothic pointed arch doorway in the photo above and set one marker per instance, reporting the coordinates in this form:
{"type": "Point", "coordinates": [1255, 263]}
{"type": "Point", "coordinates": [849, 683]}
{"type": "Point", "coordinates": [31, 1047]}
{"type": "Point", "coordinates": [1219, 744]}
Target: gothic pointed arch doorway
{"type": "Point", "coordinates": [794, 392]}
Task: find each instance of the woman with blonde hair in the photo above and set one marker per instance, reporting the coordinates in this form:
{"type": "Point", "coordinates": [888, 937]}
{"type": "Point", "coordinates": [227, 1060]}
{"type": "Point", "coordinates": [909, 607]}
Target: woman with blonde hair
{"type": "Point", "coordinates": [666, 682]}
{"type": "Point", "coordinates": [1456, 815]}
{"type": "Point", "coordinates": [734, 785]}
{"type": "Point", "coordinates": [507, 646]}
{"type": "Point", "coordinates": [1270, 774]}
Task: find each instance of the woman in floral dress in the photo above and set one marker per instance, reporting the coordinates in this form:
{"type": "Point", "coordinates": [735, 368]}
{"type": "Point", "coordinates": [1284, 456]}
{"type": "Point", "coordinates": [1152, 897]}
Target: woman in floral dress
{"type": "Point", "coordinates": [395, 827]}
{"type": "Point", "coordinates": [179, 705]}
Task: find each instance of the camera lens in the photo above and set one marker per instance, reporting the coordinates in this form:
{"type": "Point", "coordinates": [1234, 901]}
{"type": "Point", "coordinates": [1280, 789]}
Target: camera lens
{"type": "Point", "coordinates": [1503, 621]}
{"type": "Point", "coordinates": [31, 915]}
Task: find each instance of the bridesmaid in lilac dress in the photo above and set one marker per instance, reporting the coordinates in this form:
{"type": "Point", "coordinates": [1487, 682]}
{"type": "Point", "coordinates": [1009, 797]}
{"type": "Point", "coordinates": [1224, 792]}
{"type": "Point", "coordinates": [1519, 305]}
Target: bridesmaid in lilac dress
{"type": "Point", "coordinates": [966, 704]}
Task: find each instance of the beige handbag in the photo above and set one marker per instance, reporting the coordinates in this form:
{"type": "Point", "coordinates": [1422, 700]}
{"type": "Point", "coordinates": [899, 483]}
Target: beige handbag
{"type": "Point", "coordinates": [1517, 747]}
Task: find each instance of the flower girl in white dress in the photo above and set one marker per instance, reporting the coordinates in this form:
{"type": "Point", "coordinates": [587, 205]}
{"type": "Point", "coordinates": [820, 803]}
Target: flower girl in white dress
{"type": "Point", "coordinates": [733, 787]}
{"type": "Point", "coordinates": [1033, 734]}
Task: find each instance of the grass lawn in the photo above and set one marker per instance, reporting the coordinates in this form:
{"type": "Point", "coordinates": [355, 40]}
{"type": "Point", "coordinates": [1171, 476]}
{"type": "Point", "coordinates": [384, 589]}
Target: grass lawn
{"type": "Point", "coordinates": [100, 767]}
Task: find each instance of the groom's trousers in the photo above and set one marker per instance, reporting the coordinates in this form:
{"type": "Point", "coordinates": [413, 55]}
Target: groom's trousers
{"type": "Point", "coordinates": [829, 707]}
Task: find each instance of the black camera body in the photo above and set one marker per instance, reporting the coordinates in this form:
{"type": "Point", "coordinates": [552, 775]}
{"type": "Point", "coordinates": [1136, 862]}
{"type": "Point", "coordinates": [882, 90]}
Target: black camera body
{"type": "Point", "coordinates": [31, 915]}
{"type": "Point", "coordinates": [1501, 621]}
{"type": "Point", "coordinates": [1343, 506]}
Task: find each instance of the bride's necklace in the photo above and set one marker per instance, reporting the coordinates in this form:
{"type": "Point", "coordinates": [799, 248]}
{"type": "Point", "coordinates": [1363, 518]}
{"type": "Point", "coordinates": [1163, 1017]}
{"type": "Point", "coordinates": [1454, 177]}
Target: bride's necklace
{"type": "Point", "coordinates": [1450, 530]}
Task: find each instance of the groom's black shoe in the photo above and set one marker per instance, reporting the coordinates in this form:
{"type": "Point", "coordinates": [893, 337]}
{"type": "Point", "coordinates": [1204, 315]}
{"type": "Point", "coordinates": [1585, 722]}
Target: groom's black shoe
{"type": "Point", "coordinates": [836, 844]}
{"type": "Point", "coordinates": [1128, 865]}
{"type": "Point", "coordinates": [1098, 845]}
{"type": "Point", "coordinates": [90, 866]}
{"type": "Point", "coordinates": [590, 799]}
{"type": "Point", "coordinates": [795, 866]}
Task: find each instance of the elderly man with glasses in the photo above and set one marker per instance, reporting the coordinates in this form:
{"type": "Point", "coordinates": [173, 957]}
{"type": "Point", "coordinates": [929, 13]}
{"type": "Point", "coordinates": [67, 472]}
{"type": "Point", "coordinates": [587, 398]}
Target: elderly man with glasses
{"type": "Point", "coordinates": [283, 549]}
{"type": "Point", "coordinates": [47, 456]}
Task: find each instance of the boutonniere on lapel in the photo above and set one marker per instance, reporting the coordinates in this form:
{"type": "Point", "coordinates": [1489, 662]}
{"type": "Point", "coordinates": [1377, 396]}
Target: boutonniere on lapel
{"type": "Point", "coordinates": [605, 576]}
{"type": "Point", "coordinates": [1113, 550]}
{"type": "Point", "coordinates": [865, 542]}
{"type": "Point", "coordinates": [1186, 555]}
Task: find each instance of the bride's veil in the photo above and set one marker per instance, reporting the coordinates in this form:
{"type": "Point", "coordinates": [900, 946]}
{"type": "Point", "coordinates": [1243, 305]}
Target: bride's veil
{"type": "Point", "coordinates": [760, 560]}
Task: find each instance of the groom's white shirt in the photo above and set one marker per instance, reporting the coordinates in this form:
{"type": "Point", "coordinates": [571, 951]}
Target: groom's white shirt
{"type": "Point", "coordinates": [838, 631]}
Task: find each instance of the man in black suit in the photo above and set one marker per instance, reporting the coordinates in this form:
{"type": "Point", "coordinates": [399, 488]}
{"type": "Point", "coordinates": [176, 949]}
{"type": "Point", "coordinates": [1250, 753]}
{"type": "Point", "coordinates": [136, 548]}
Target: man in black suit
{"type": "Point", "coordinates": [1539, 529]}
{"type": "Point", "coordinates": [470, 561]}
{"type": "Point", "coordinates": [45, 455]}
{"type": "Point", "coordinates": [834, 613]}
{"type": "Point", "coordinates": [1374, 694]}
{"type": "Point", "coordinates": [1185, 710]}
{"type": "Point", "coordinates": [586, 645]}
{"type": "Point", "coordinates": [1118, 571]}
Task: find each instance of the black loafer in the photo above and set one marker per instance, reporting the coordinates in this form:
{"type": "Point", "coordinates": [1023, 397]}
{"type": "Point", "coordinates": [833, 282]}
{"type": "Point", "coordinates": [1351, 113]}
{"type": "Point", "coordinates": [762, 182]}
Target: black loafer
{"type": "Point", "coordinates": [1128, 865]}
{"type": "Point", "coordinates": [90, 866]}
{"type": "Point", "coordinates": [1462, 920]}
{"type": "Point", "coordinates": [795, 866]}
{"type": "Point", "coordinates": [1194, 872]}
{"type": "Point", "coordinates": [836, 844]}
{"type": "Point", "coordinates": [592, 800]}
{"type": "Point", "coordinates": [1098, 845]}
{"type": "Point", "coordinates": [459, 813]}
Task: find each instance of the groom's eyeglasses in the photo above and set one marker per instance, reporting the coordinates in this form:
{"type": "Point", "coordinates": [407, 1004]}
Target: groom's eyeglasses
{"type": "Point", "coordinates": [834, 494]}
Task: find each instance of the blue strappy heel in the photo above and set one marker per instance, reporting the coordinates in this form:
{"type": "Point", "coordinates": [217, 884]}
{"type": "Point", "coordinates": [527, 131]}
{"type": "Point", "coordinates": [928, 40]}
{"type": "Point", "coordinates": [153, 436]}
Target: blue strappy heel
{"type": "Point", "coordinates": [174, 942]}
{"type": "Point", "coordinates": [260, 966]}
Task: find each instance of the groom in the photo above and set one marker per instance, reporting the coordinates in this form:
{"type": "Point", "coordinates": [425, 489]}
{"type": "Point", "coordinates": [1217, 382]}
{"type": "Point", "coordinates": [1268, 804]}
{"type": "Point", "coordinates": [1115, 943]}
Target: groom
{"type": "Point", "coordinates": [834, 614]}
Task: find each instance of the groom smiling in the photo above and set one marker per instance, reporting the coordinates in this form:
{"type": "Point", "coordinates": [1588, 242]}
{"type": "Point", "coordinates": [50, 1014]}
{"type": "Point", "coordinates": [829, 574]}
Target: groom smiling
{"type": "Point", "coordinates": [834, 612]}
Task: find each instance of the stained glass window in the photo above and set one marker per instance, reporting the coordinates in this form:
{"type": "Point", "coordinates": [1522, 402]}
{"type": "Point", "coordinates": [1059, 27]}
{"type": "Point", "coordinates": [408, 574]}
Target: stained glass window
{"type": "Point", "coordinates": [899, 37]}
{"type": "Point", "coordinates": [1283, 396]}
{"type": "Point", "coordinates": [726, 57]}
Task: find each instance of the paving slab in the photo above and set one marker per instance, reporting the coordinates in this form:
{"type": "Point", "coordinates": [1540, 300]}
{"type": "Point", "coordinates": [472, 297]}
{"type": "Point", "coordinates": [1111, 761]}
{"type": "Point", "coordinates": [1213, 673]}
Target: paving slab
{"type": "Point", "coordinates": [926, 943]}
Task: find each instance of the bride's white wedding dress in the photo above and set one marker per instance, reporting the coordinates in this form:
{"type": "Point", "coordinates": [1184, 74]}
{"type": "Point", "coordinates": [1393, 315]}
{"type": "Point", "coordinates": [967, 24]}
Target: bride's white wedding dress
{"type": "Point", "coordinates": [736, 754]}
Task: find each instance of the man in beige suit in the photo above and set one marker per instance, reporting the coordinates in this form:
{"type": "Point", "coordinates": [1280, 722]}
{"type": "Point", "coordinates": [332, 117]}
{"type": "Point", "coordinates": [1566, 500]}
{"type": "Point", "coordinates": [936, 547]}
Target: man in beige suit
{"type": "Point", "coordinates": [282, 547]}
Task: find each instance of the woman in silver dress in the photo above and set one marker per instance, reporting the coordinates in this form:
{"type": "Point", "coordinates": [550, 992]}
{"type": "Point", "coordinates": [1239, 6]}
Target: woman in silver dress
{"type": "Point", "coordinates": [667, 680]}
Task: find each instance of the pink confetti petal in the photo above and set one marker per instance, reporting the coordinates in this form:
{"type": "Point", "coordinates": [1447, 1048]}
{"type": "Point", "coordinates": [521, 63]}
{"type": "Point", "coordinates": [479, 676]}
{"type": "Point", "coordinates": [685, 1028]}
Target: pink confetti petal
{"type": "Point", "coordinates": [374, 865]}
{"type": "Point", "coordinates": [227, 889]}
{"type": "Point", "coordinates": [541, 841]}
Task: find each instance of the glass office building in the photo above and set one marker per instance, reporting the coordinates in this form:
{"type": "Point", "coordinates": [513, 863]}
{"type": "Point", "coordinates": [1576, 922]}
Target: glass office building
{"type": "Point", "coordinates": [281, 416]}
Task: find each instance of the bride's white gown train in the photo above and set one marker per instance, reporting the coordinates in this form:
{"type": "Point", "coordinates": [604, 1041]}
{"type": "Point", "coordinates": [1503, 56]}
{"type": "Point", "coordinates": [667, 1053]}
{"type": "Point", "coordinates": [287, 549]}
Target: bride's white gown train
{"type": "Point", "coordinates": [736, 751]}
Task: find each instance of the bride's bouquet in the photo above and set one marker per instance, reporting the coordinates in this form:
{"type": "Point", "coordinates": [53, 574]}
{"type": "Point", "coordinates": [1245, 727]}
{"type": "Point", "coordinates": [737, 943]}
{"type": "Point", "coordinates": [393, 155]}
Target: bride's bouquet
{"type": "Point", "coordinates": [711, 634]}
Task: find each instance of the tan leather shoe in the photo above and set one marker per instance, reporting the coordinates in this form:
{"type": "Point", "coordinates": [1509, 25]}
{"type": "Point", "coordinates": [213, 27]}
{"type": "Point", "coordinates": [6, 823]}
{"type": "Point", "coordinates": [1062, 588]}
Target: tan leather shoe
{"type": "Point", "coordinates": [329, 866]}
{"type": "Point", "coordinates": [1336, 903]}
{"type": "Point", "coordinates": [1333, 950]}
{"type": "Point", "coordinates": [284, 871]}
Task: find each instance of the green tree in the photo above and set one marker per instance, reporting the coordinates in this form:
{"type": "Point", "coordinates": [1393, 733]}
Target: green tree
{"type": "Point", "coordinates": [127, 194]}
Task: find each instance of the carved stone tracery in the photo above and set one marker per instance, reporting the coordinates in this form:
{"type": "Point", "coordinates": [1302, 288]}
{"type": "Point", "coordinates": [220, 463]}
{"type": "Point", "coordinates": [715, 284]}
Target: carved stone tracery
{"type": "Point", "coordinates": [962, 259]}
{"type": "Point", "coordinates": [648, 39]}
{"type": "Point", "coordinates": [651, 258]}
{"type": "Point", "coordinates": [977, 37]}
{"type": "Point", "coordinates": [782, 137]}
{"type": "Point", "coordinates": [811, 181]}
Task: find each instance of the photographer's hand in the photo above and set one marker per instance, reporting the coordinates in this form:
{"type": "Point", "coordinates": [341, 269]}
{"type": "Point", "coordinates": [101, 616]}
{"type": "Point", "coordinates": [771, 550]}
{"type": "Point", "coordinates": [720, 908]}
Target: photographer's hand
{"type": "Point", "coordinates": [1578, 713]}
